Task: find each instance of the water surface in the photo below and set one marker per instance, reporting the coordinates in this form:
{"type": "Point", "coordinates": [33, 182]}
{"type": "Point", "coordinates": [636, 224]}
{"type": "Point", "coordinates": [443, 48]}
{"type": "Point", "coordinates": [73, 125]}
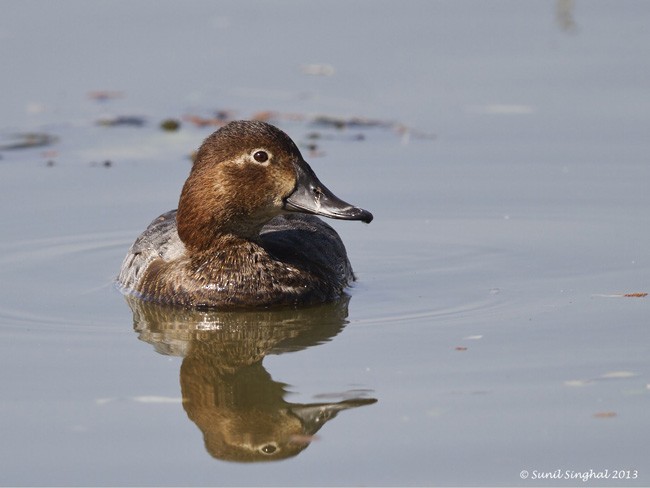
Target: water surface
{"type": "Point", "coordinates": [488, 332]}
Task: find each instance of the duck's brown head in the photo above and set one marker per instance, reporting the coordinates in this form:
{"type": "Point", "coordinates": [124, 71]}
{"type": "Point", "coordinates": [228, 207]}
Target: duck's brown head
{"type": "Point", "coordinates": [245, 174]}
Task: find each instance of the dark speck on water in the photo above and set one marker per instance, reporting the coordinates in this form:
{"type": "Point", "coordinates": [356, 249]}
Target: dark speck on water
{"type": "Point", "coordinates": [105, 164]}
{"type": "Point", "coordinates": [170, 125]}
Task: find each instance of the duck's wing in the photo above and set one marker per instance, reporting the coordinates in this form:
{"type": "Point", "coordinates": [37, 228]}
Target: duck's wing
{"type": "Point", "coordinates": [307, 241]}
{"type": "Point", "coordinates": [160, 240]}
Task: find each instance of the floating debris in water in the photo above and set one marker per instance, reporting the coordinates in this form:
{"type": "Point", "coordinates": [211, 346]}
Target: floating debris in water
{"type": "Point", "coordinates": [622, 295]}
{"type": "Point", "coordinates": [575, 383]}
{"type": "Point", "coordinates": [127, 120]}
{"type": "Point", "coordinates": [199, 121]}
{"type": "Point", "coordinates": [106, 164]}
{"type": "Point", "coordinates": [315, 135]}
{"type": "Point", "coordinates": [564, 16]}
{"type": "Point", "coordinates": [618, 375]}
{"type": "Point", "coordinates": [29, 140]}
{"type": "Point", "coordinates": [605, 415]}
{"type": "Point", "coordinates": [611, 375]}
{"type": "Point", "coordinates": [361, 123]}
{"type": "Point", "coordinates": [472, 337]}
{"type": "Point", "coordinates": [352, 122]}
{"type": "Point", "coordinates": [104, 95]}
{"type": "Point", "coordinates": [222, 117]}
{"type": "Point", "coordinates": [265, 116]}
{"type": "Point", "coordinates": [312, 150]}
{"type": "Point", "coordinates": [170, 125]}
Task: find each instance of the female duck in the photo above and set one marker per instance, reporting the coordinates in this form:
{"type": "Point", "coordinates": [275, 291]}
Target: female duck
{"type": "Point", "coordinates": [241, 236]}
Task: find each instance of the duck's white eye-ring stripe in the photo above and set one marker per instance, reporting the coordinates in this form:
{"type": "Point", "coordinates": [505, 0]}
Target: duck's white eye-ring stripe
{"type": "Point", "coordinates": [261, 156]}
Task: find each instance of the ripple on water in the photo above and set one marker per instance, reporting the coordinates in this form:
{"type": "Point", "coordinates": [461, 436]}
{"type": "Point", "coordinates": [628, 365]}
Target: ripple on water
{"type": "Point", "coordinates": [62, 281]}
{"type": "Point", "coordinates": [68, 282]}
{"type": "Point", "coordinates": [450, 282]}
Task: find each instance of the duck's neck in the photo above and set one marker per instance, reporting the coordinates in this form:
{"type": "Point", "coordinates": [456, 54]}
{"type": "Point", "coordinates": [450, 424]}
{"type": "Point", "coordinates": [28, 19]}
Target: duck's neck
{"type": "Point", "coordinates": [201, 233]}
{"type": "Point", "coordinates": [211, 220]}
{"type": "Point", "coordinates": [221, 243]}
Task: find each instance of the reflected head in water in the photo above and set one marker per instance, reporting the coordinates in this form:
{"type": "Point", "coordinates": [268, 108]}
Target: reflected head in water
{"type": "Point", "coordinates": [226, 390]}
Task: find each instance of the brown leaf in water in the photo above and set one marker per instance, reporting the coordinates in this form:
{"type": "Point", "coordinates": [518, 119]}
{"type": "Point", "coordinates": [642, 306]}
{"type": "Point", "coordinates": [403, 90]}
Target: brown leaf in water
{"type": "Point", "coordinates": [622, 295]}
{"type": "Point", "coordinates": [604, 415]}
{"type": "Point", "coordinates": [104, 95]}
{"type": "Point", "coordinates": [199, 121]}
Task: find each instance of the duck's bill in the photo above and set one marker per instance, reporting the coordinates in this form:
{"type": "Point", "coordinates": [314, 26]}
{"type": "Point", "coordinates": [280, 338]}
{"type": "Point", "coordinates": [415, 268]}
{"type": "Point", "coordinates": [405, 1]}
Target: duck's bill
{"type": "Point", "coordinates": [312, 197]}
{"type": "Point", "coordinates": [314, 416]}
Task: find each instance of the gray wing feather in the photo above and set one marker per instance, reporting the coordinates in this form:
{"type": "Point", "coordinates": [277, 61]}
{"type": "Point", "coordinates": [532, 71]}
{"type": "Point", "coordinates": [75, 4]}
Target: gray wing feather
{"type": "Point", "coordinates": [159, 241]}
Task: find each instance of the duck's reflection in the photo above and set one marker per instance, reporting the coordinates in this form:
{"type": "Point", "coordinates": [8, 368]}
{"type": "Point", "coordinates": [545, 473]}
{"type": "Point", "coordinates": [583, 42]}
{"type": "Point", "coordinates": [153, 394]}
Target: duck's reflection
{"type": "Point", "coordinates": [226, 390]}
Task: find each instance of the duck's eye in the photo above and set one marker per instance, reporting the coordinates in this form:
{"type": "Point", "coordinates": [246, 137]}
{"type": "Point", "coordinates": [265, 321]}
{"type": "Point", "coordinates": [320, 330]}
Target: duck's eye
{"type": "Point", "coordinates": [269, 449]}
{"type": "Point", "coordinates": [261, 156]}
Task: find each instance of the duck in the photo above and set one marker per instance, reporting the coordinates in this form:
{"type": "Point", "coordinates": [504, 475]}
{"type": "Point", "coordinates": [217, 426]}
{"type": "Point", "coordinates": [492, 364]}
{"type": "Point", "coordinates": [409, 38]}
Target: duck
{"type": "Point", "coordinates": [247, 232]}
